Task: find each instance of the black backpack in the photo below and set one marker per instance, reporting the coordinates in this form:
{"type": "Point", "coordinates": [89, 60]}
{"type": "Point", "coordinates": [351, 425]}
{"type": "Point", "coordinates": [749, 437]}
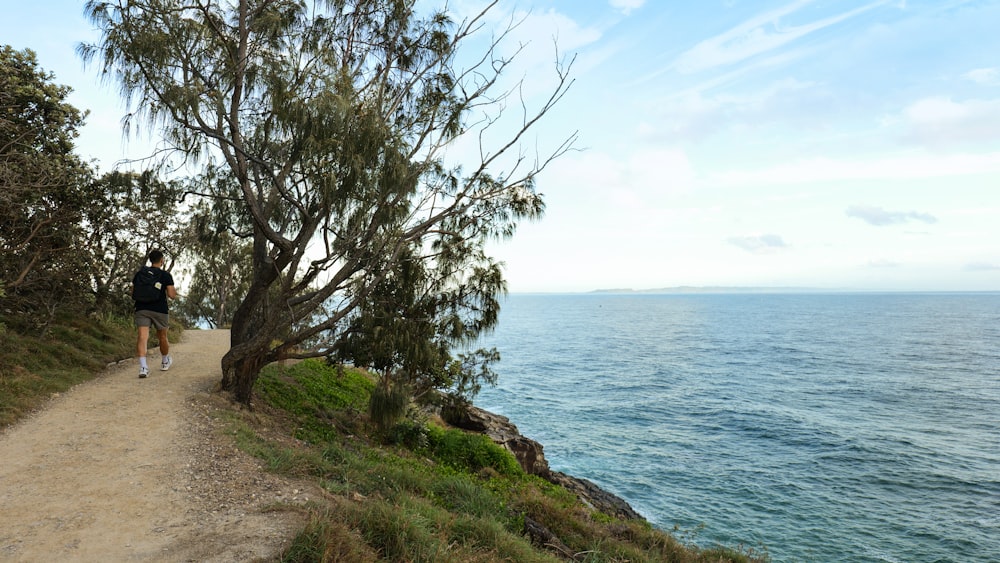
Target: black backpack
{"type": "Point", "coordinates": [147, 285]}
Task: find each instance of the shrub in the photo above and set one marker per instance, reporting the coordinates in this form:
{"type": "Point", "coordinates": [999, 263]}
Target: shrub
{"type": "Point", "coordinates": [387, 405]}
{"type": "Point", "coordinates": [470, 452]}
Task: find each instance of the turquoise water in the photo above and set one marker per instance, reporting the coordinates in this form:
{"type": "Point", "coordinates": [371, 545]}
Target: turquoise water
{"type": "Point", "coordinates": [826, 427]}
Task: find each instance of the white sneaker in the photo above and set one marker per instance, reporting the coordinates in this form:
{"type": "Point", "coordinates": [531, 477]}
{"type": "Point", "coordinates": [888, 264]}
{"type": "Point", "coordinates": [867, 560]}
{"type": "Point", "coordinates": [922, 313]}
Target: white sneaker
{"type": "Point", "coordinates": [166, 364]}
{"type": "Point", "coordinates": [143, 371]}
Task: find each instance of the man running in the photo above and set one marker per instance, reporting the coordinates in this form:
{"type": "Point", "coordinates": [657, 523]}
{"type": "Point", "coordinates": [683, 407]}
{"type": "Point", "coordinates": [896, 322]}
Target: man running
{"type": "Point", "coordinates": [151, 286]}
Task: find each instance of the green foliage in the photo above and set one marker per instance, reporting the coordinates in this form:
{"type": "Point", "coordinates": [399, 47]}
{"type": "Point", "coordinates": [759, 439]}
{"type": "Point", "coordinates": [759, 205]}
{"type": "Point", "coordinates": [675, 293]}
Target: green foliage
{"type": "Point", "coordinates": [218, 253]}
{"type": "Point", "coordinates": [401, 533]}
{"type": "Point", "coordinates": [315, 392]}
{"type": "Point", "coordinates": [131, 214]}
{"type": "Point", "coordinates": [470, 452]}
{"type": "Point", "coordinates": [43, 187]}
{"type": "Point", "coordinates": [412, 434]}
{"type": "Point", "coordinates": [279, 459]}
{"type": "Point", "coordinates": [410, 321]}
{"type": "Point", "coordinates": [388, 404]}
{"type": "Point", "coordinates": [462, 494]}
{"type": "Point", "coordinates": [70, 240]}
{"type": "Point", "coordinates": [327, 538]}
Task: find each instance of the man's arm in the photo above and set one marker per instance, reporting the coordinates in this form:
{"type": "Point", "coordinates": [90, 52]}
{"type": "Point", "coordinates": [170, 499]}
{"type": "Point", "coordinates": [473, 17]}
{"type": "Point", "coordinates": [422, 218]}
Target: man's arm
{"type": "Point", "coordinates": [171, 292]}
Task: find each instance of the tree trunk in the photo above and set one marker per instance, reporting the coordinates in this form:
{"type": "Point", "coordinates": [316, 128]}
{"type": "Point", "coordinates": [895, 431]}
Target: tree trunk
{"type": "Point", "coordinates": [247, 354]}
{"type": "Point", "coordinates": [239, 375]}
{"type": "Point", "coordinates": [250, 336]}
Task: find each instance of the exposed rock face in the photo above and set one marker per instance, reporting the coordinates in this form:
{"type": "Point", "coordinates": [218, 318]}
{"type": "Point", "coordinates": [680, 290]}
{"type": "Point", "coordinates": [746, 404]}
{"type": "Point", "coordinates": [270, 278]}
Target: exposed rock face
{"type": "Point", "coordinates": [596, 497]}
{"type": "Point", "coordinates": [530, 455]}
{"type": "Point", "coordinates": [544, 538]}
{"type": "Point", "coordinates": [502, 431]}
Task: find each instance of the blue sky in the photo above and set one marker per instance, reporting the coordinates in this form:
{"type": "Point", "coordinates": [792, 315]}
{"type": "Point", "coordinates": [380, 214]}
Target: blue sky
{"type": "Point", "coordinates": [724, 142]}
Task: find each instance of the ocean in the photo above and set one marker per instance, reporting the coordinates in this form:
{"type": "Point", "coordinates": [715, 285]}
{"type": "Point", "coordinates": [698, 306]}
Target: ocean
{"type": "Point", "coordinates": [856, 427]}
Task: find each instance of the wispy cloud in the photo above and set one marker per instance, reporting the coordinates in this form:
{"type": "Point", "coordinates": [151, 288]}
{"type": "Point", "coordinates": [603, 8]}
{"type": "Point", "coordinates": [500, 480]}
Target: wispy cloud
{"type": "Point", "coordinates": [694, 116]}
{"type": "Point", "coordinates": [882, 217]}
{"type": "Point", "coordinates": [981, 267]}
{"type": "Point", "coordinates": [984, 75]}
{"type": "Point", "coordinates": [759, 244]}
{"type": "Point", "coordinates": [890, 168]}
{"type": "Point", "coordinates": [626, 6]}
{"type": "Point", "coordinates": [882, 263]}
{"type": "Point", "coordinates": [761, 34]}
{"type": "Point", "coordinates": [940, 121]}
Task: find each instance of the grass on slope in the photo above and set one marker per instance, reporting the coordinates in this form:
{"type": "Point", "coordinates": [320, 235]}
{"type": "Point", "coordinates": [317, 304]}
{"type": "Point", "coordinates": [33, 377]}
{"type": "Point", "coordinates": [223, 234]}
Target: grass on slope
{"type": "Point", "coordinates": [425, 493]}
{"type": "Point", "coordinates": [36, 363]}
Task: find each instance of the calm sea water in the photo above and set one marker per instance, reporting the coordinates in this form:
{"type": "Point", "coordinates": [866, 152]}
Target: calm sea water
{"type": "Point", "coordinates": [826, 427]}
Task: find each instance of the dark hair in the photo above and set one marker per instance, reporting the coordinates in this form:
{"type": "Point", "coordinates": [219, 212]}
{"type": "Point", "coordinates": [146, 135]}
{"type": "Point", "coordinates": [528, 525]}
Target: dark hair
{"type": "Point", "coordinates": [155, 256]}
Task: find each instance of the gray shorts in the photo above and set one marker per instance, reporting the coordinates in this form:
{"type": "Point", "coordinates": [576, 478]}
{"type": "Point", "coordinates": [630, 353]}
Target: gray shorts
{"type": "Point", "coordinates": [159, 321]}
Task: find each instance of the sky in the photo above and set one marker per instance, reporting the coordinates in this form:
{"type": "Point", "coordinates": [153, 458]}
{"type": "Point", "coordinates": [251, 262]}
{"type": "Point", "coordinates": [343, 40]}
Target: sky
{"type": "Point", "coordinates": [739, 143]}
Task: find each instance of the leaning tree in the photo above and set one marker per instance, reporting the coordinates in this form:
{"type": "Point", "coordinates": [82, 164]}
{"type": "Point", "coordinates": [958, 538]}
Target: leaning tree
{"type": "Point", "coordinates": [333, 118]}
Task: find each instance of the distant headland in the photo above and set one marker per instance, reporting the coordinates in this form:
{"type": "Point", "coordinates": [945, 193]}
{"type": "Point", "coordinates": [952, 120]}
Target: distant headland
{"type": "Point", "coordinates": [721, 289]}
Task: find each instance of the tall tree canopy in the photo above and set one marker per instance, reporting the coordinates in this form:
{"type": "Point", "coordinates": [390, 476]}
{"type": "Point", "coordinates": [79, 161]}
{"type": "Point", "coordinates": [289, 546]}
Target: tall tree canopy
{"type": "Point", "coordinates": [68, 239]}
{"type": "Point", "coordinates": [332, 118]}
{"type": "Point", "coordinates": [43, 184]}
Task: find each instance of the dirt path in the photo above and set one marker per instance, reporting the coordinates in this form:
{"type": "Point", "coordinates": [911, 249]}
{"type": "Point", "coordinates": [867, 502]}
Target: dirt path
{"type": "Point", "coordinates": [129, 469]}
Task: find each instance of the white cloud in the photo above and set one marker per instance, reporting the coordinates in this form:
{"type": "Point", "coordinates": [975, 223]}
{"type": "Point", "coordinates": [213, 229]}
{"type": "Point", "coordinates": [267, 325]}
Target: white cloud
{"type": "Point", "coordinates": [626, 6]}
{"type": "Point", "coordinates": [694, 116]}
{"type": "Point", "coordinates": [882, 217]}
{"type": "Point", "coordinates": [981, 267]}
{"type": "Point", "coordinates": [537, 43]}
{"type": "Point", "coordinates": [642, 181]}
{"type": "Point", "coordinates": [759, 244]}
{"type": "Point", "coordinates": [555, 25]}
{"type": "Point", "coordinates": [758, 35]}
{"type": "Point", "coordinates": [659, 171]}
{"type": "Point", "coordinates": [984, 75]}
{"type": "Point", "coordinates": [883, 263]}
{"type": "Point", "coordinates": [890, 168]}
{"type": "Point", "coordinates": [537, 38]}
{"type": "Point", "coordinates": [940, 121]}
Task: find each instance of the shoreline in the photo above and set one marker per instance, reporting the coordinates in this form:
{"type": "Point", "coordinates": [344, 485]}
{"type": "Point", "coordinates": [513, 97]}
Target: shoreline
{"type": "Point", "coordinates": [530, 455]}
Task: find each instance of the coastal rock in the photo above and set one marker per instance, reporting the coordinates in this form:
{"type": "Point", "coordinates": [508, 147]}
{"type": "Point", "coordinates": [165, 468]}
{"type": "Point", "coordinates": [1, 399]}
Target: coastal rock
{"type": "Point", "coordinates": [531, 456]}
{"type": "Point", "coordinates": [502, 431]}
{"type": "Point", "coordinates": [589, 493]}
{"type": "Point", "coordinates": [544, 538]}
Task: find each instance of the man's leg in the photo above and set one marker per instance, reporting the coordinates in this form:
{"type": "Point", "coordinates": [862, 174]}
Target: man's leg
{"type": "Point", "coordinates": [161, 335]}
{"type": "Point", "coordinates": [140, 349]}
{"type": "Point", "coordinates": [140, 343]}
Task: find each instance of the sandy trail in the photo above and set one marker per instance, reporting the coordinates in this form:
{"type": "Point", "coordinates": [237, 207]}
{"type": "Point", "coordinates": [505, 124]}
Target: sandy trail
{"type": "Point", "coordinates": [129, 469]}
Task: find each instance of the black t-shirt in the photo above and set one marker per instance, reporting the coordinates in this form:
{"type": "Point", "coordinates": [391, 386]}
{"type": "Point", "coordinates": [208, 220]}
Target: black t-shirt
{"type": "Point", "coordinates": [160, 305]}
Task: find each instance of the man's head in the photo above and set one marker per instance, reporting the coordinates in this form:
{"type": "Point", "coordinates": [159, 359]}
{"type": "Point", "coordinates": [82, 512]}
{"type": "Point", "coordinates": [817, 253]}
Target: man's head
{"type": "Point", "coordinates": [155, 257]}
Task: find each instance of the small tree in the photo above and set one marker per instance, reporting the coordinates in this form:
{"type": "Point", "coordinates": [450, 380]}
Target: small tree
{"type": "Point", "coordinates": [332, 118]}
{"type": "Point", "coordinates": [410, 324]}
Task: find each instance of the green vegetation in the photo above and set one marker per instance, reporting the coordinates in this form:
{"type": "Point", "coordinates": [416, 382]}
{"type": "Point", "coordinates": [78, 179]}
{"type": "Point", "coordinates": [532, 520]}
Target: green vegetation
{"type": "Point", "coordinates": [318, 137]}
{"type": "Point", "coordinates": [421, 492]}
